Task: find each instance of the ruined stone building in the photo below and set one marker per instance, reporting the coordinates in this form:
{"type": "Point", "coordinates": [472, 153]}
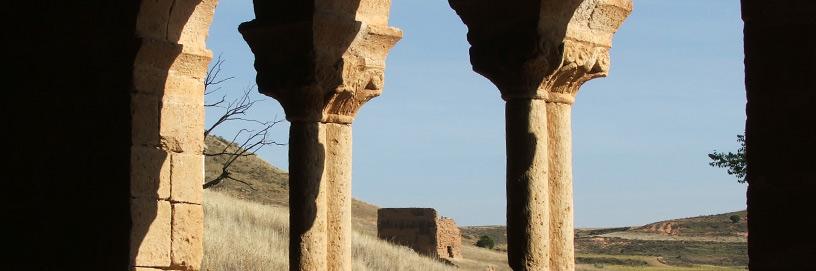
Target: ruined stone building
{"type": "Point", "coordinates": [103, 104]}
{"type": "Point", "coordinates": [421, 229]}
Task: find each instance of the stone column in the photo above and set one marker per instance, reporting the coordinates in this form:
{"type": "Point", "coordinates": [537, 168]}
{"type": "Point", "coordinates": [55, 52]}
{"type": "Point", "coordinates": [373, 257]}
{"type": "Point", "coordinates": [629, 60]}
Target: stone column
{"type": "Point", "coordinates": [528, 232]}
{"type": "Point", "coordinates": [307, 196]}
{"type": "Point", "coordinates": [338, 137]}
{"type": "Point", "coordinates": [560, 182]}
{"type": "Point", "coordinates": [539, 53]}
{"type": "Point", "coordinates": [322, 62]}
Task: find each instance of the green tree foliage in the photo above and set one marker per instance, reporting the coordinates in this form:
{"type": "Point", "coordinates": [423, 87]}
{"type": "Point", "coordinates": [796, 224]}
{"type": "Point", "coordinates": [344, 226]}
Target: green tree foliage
{"type": "Point", "coordinates": [735, 219]}
{"type": "Point", "coordinates": [486, 242]}
{"type": "Point", "coordinates": [733, 162]}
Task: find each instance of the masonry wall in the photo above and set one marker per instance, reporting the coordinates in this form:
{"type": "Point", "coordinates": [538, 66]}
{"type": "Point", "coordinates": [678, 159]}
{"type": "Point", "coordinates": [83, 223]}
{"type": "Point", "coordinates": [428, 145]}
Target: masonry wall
{"type": "Point", "coordinates": [411, 227]}
{"type": "Point", "coordinates": [420, 229]}
{"type": "Point", "coordinates": [448, 236]}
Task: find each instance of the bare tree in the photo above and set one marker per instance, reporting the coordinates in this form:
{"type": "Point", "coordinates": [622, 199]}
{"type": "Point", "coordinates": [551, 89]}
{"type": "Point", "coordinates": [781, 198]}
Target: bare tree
{"type": "Point", "coordinates": [247, 141]}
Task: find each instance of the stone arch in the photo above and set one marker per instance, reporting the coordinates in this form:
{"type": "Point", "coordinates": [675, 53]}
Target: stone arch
{"type": "Point", "coordinates": [167, 107]}
{"type": "Point", "coordinates": [333, 54]}
{"type": "Point", "coordinates": [167, 114]}
{"type": "Point", "coordinates": [103, 77]}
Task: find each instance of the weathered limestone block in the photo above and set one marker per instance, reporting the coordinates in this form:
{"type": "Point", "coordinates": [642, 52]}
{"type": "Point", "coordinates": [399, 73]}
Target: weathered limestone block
{"type": "Point", "coordinates": [164, 67]}
{"type": "Point", "coordinates": [150, 235]}
{"type": "Point", "coordinates": [153, 62]}
{"type": "Point", "coordinates": [187, 175]}
{"type": "Point", "coordinates": [188, 230]}
{"type": "Point", "coordinates": [181, 21]}
{"type": "Point", "coordinates": [539, 53]}
{"type": "Point", "coordinates": [448, 238]}
{"type": "Point", "coordinates": [181, 124]}
{"type": "Point", "coordinates": [144, 120]}
{"type": "Point", "coordinates": [322, 61]}
{"type": "Point", "coordinates": [150, 173]}
{"type": "Point", "coordinates": [192, 64]}
{"type": "Point", "coordinates": [184, 86]}
{"type": "Point", "coordinates": [153, 18]}
{"type": "Point", "coordinates": [189, 23]}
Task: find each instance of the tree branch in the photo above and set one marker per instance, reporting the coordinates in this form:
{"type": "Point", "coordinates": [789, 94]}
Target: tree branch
{"type": "Point", "coordinates": [247, 141]}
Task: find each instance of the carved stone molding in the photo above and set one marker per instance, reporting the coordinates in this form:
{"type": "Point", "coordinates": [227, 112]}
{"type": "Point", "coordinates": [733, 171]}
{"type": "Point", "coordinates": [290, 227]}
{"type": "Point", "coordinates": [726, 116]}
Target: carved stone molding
{"type": "Point", "coordinates": [323, 66]}
{"type": "Point", "coordinates": [541, 49]}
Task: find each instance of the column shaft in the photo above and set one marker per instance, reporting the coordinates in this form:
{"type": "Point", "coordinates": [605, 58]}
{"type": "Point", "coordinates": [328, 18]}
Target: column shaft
{"type": "Point", "coordinates": [527, 191]}
{"type": "Point", "coordinates": [562, 247]}
{"type": "Point", "coordinates": [323, 38]}
{"type": "Point", "coordinates": [338, 169]}
{"type": "Point", "coordinates": [307, 197]}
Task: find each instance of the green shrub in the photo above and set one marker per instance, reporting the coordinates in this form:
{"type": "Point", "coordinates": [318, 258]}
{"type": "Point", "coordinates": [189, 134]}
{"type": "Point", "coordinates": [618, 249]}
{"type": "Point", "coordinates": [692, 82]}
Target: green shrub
{"type": "Point", "coordinates": [486, 242]}
{"type": "Point", "coordinates": [735, 219]}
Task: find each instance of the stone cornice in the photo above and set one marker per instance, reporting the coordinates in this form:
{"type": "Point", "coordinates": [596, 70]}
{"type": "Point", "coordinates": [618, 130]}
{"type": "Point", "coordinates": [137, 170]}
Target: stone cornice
{"type": "Point", "coordinates": [323, 68]}
{"type": "Point", "coordinates": [545, 54]}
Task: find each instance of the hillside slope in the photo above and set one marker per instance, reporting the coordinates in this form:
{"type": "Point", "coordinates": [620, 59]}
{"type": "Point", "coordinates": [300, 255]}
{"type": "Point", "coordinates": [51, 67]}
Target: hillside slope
{"type": "Point", "coordinates": [246, 226]}
{"type": "Point", "coordinates": [709, 228]}
{"type": "Point", "coordinates": [246, 229]}
{"type": "Point", "coordinates": [269, 184]}
{"type": "Point", "coordinates": [249, 236]}
{"type": "Point", "coordinates": [718, 228]}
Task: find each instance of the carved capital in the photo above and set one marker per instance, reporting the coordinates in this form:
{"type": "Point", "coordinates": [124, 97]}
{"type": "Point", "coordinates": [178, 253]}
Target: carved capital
{"type": "Point", "coordinates": [363, 73]}
{"type": "Point", "coordinates": [581, 62]}
{"type": "Point", "coordinates": [541, 49]}
{"type": "Point", "coordinates": [324, 65]}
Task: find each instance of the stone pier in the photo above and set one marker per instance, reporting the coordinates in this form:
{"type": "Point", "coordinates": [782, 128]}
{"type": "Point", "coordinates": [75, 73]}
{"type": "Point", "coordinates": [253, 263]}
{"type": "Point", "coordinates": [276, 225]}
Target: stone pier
{"type": "Point", "coordinates": [322, 61]}
{"type": "Point", "coordinates": [167, 107]}
{"type": "Point", "coordinates": [780, 137]}
{"type": "Point", "coordinates": [539, 53]}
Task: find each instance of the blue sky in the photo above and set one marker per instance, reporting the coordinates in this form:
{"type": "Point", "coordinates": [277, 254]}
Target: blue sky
{"type": "Point", "coordinates": [435, 138]}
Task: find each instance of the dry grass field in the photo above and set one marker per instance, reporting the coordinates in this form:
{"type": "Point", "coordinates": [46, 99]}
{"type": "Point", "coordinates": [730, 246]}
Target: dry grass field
{"type": "Point", "coordinates": [243, 235]}
{"type": "Point", "coordinates": [246, 228]}
{"type": "Point", "coordinates": [269, 184]}
{"type": "Point", "coordinates": [246, 225]}
{"type": "Point", "coordinates": [598, 262]}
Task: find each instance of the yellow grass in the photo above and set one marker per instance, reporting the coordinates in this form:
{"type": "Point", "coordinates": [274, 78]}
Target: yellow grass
{"type": "Point", "coordinates": [476, 258]}
{"type": "Point", "coordinates": [242, 235]}
{"type": "Point", "coordinates": [654, 268]}
{"type": "Point", "coordinates": [653, 264]}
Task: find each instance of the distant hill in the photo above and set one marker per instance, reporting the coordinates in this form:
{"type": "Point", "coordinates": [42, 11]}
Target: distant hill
{"type": "Point", "coordinates": [697, 243]}
{"type": "Point", "coordinates": [704, 240]}
{"type": "Point", "coordinates": [714, 228]}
